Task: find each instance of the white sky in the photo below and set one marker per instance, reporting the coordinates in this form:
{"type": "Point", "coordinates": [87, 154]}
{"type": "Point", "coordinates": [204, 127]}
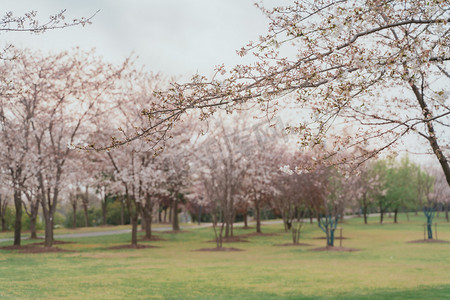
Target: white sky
{"type": "Point", "coordinates": [174, 37]}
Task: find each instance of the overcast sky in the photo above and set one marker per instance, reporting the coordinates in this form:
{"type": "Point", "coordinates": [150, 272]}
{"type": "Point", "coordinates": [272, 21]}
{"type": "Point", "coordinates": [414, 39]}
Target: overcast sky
{"type": "Point", "coordinates": [175, 37]}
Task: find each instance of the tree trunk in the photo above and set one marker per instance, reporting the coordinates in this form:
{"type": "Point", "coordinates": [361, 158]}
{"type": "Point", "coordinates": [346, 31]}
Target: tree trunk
{"type": "Point", "coordinates": [3, 206]}
{"type": "Point", "coordinates": [331, 238]}
{"type": "Point", "coordinates": [432, 139]}
{"type": "Point", "coordinates": [122, 212]}
{"type": "Point", "coordinates": [104, 209]}
{"type": "Point", "coordinates": [160, 215]}
{"type": "Point", "coordinates": [18, 221]}
{"type": "Point", "coordinates": [48, 231]}
{"type": "Point", "coordinates": [245, 219]}
{"type": "Point", "coordinates": [165, 215]}
{"type": "Point", "coordinates": [175, 223]}
{"type": "Point", "coordinates": [143, 221]}
{"type": "Point", "coordinates": [148, 228]}
{"type": "Point", "coordinates": [381, 214]}
{"type": "Point", "coordinates": [134, 225]}
{"type": "Point", "coordinates": [33, 228]}
{"type": "Point", "coordinates": [258, 216]}
{"type": "Point", "coordinates": [446, 210]}
{"type": "Point", "coordinates": [74, 215]}
{"type": "Point", "coordinates": [86, 215]}
{"type": "Point", "coordinates": [395, 215]}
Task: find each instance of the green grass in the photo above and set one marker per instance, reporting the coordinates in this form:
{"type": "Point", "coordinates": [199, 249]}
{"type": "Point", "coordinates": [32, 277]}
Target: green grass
{"type": "Point", "coordinates": [387, 267]}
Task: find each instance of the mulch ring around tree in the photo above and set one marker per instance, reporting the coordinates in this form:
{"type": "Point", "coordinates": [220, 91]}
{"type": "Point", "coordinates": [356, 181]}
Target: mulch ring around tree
{"type": "Point", "coordinates": [429, 241]}
{"type": "Point", "coordinates": [292, 244]}
{"type": "Point", "coordinates": [153, 238]}
{"type": "Point", "coordinates": [335, 237]}
{"type": "Point", "coordinates": [335, 249]}
{"type": "Point", "coordinates": [174, 231]}
{"type": "Point", "coordinates": [37, 248]}
{"type": "Point", "coordinates": [219, 249]}
{"type": "Point", "coordinates": [138, 246]}
{"type": "Point", "coordinates": [231, 239]}
{"type": "Point", "coordinates": [245, 235]}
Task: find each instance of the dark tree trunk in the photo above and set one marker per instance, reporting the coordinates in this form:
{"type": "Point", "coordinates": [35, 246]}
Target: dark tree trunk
{"type": "Point", "coordinates": [18, 221]}
{"type": "Point", "coordinates": [165, 215]}
{"type": "Point", "coordinates": [34, 207]}
{"type": "Point", "coordinates": [446, 211]}
{"type": "Point", "coordinates": [86, 215]}
{"type": "Point", "coordinates": [33, 228]}
{"type": "Point", "coordinates": [74, 215]}
{"type": "Point", "coordinates": [134, 225]}
{"type": "Point", "coordinates": [245, 219]}
{"type": "Point", "coordinates": [122, 212]}
{"type": "Point", "coordinates": [258, 215]}
{"type": "Point", "coordinates": [48, 231]}
{"type": "Point", "coordinates": [3, 206]}
{"type": "Point", "coordinates": [432, 139]}
{"type": "Point", "coordinates": [395, 215]}
{"type": "Point", "coordinates": [381, 213]}
{"type": "Point", "coordinates": [365, 208]}
{"type": "Point", "coordinates": [104, 209]}
{"type": "Point", "coordinates": [148, 227]}
{"type": "Point", "coordinates": [227, 229]}
{"type": "Point", "coordinates": [160, 215]}
{"type": "Point", "coordinates": [175, 223]}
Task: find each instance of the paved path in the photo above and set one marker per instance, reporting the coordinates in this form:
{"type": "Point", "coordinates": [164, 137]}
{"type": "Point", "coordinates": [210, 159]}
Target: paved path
{"type": "Point", "coordinates": [105, 233]}
{"type": "Point", "coordinates": [122, 231]}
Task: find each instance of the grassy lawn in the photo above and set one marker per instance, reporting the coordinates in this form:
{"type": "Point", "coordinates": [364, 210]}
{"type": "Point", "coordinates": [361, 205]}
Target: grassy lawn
{"type": "Point", "coordinates": [386, 267]}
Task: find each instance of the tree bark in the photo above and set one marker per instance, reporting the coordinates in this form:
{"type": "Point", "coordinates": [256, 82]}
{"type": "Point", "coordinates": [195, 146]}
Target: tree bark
{"type": "Point", "coordinates": [18, 221]}
{"type": "Point", "coordinates": [33, 235]}
{"type": "Point", "coordinates": [74, 215]}
{"type": "Point", "coordinates": [395, 215]}
{"type": "Point", "coordinates": [122, 212]}
{"type": "Point", "coordinates": [446, 211]}
{"type": "Point", "coordinates": [3, 206]}
{"type": "Point", "coordinates": [258, 215]}
{"type": "Point", "coordinates": [104, 209]}
{"type": "Point", "coordinates": [432, 139]}
{"type": "Point", "coordinates": [85, 207]}
{"type": "Point", "coordinates": [134, 225]}
{"type": "Point", "coordinates": [175, 223]}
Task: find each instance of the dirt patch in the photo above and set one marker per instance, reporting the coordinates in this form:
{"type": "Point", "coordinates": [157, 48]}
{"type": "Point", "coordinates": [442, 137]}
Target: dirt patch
{"type": "Point", "coordinates": [336, 249]}
{"type": "Point", "coordinates": [34, 248]}
{"type": "Point", "coordinates": [130, 247]}
{"type": "Point", "coordinates": [258, 234]}
{"type": "Point", "coordinates": [292, 244]}
{"type": "Point", "coordinates": [335, 237]}
{"type": "Point", "coordinates": [429, 241]}
{"type": "Point", "coordinates": [219, 249]}
{"type": "Point", "coordinates": [55, 242]}
{"type": "Point", "coordinates": [37, 249]}
{"type": "Point", "coordinates": [174, 231]}
{"type": "Point", "coordinates": [231, 239]}
{"type": "Point", "coordinates": [152, 238]}
{"type": "Point", "coordinates": [245, 228]}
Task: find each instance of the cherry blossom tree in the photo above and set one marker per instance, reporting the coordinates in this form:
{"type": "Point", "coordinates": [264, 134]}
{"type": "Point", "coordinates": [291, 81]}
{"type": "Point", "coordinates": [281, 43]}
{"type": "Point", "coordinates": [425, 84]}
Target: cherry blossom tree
{"type": "Point", "coordinates": [59, 96]}
{"type": "Point", "coordinates": [3, 206]}
{"type": "Point", "coordinates": [374, 68]}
